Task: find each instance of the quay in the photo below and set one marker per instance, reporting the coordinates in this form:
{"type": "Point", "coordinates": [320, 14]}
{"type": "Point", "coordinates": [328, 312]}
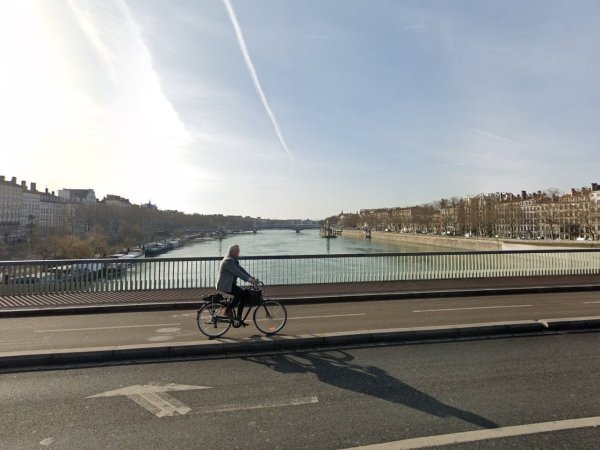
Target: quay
{"type": "Point", "coordinates": [468, 244]}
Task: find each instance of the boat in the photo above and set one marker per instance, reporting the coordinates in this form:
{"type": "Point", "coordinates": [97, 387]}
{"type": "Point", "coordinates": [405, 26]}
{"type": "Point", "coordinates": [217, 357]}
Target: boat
{"type": "Point", "coordinates": [174, 243]}
{"type": "Point", "coordinates": [134, 254]}
{"type": "Point", "coordinates": [327, 232]}
{"type": "Point", "coordinates": [155, 249]}
{"type": "Point", "coordinates": [115, 268]}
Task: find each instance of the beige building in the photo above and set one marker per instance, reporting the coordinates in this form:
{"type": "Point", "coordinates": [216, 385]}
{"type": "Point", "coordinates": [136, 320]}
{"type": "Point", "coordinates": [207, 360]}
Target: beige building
{"type": "Point", "coordinates": [594, 212]}
{"type": "Point", "coordinates": [24, 210]}
{"type": "Point", "coordinates": [52, 211]}
{"type": "Point", "coordinates": [30, 207]}
{"type": "Point", "coordinates": [78, 196]}
{"type": "Point", "coordinates": [10, 209]}
{"type": "Point", "coordinates": [115, 200]}
{"type": "Point", "coordinates": [536, 215]}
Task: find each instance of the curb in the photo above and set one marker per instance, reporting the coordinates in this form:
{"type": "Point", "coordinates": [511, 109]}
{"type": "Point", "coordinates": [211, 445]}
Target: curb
{"type": "Point", "coordinates": [227, 347]}
{"type": "Point", "coordinates": [337, 298]}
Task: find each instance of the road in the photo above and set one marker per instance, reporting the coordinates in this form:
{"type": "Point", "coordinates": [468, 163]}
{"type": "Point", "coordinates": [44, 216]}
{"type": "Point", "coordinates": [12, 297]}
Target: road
{"type": "Point", "coordinates": [97, 330]}
{"type": "Point", "coordinates": [326, 400]}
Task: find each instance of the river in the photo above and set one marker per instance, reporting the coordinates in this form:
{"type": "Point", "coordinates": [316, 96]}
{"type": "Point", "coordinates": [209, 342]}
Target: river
{"type": "Point", "coordinates": [288, 242]}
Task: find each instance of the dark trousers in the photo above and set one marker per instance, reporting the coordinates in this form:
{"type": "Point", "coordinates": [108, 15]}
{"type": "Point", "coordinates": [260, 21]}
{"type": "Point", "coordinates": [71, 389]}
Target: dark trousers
{"type": "Point", "coordinates": [239, 298]}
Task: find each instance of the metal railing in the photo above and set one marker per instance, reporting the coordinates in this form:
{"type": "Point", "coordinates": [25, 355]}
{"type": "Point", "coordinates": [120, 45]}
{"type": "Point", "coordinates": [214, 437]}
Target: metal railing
{"type": "Point", "coordinates": [111, 275]}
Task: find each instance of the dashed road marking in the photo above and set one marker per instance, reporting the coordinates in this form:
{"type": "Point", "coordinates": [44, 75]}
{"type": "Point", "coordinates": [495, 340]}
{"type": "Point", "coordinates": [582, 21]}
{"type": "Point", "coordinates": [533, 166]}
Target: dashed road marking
{"type": "Point", "coordinates": [471, 308]}
{"type": "Point", "coordinates": [153, 325]}
{"type": "Point", "coordinates": [331, 316]}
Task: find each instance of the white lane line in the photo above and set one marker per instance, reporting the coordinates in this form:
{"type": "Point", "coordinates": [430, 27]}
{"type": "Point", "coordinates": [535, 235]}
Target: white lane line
{"type": "Point", "coordinates": [326, 317]}
{"type": "Point", "coordinates": [591, 302]}
{"type": "Point", "coordinates": [475, 307]}
{"type": "Point", "coordinates": [320, 317]}
{"type": "Point", "coordinates": [273, 404]}
{"type": "Point", "coordinates": [109, 328]}
{"type": "Point", "coordinates": [481, 435]}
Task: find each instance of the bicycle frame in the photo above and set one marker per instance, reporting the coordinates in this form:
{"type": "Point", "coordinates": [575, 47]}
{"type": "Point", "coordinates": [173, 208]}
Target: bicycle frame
{"type": "Point", "coordinates": [236, 322]}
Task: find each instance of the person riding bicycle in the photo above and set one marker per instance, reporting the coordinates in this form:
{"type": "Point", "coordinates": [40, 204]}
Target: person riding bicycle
{"type": "Point", "coordinates": [229, 271]}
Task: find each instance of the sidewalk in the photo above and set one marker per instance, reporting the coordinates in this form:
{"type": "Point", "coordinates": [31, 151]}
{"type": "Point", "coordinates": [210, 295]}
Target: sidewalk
{"type": "Point", "coordinates": [303, 293]}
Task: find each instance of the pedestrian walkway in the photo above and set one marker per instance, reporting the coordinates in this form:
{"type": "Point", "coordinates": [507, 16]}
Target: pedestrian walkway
{"type": "Point", "coordinates": [332, 291]}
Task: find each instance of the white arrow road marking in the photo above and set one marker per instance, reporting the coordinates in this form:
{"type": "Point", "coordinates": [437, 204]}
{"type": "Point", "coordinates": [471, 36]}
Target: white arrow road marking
{"type": "Point", "coordinates": [154, 397]}
{"type": "Point", "coordinates": [161, 405]}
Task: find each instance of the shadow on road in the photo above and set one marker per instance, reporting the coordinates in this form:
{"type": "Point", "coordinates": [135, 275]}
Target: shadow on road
{"type": "Point", "coordinates": [337, 369]}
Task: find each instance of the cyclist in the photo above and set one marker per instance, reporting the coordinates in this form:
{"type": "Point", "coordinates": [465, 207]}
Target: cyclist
{"type": "Point", "coordinates": [229, 271]}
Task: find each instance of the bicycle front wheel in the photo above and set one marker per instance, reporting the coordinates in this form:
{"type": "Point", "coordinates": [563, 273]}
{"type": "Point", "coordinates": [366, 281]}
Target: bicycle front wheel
{"type": "Point", "coordinates": [212, 321]}
{"type": "Point", "coordinates": [270, 317]}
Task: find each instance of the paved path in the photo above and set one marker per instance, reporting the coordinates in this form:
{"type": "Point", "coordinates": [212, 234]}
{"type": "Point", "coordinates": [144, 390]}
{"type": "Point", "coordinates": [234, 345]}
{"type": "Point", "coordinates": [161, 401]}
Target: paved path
{"type": "Point", "coordinates": [99, 330]}
{"type": "Point", "coordinates": [318, 400]}
{"type": "Point", "coordinates": [335, 289]}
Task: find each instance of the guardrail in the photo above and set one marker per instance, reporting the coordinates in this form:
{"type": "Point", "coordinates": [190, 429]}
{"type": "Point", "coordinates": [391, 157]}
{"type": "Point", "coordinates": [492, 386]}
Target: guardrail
{"type": "Point", "coordinates": [110, 275]}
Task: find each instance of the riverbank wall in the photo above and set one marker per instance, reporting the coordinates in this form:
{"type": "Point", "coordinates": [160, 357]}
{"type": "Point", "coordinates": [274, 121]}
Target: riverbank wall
{"type": "Point", "coordinates": [474, 244]}
{"type": "Point", "coordinates": [467, 244]}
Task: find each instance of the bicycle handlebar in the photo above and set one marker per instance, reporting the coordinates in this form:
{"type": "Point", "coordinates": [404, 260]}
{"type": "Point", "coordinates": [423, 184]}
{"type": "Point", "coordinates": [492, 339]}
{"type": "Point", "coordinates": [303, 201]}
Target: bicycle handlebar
{"type": "Point", "coordinates": [258, 283]}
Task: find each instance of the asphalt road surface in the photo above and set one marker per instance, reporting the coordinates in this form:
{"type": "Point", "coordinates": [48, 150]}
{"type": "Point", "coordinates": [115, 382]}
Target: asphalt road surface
{"type": "Point", "coordinates": [319, 400]}
{"type": "Point", "coordinates": [97, 330]}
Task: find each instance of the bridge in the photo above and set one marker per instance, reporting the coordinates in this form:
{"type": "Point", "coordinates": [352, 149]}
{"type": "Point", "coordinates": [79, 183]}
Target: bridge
{"type": "Point", "coordinates": [297, 227]}
{"type": "Point", "coordinates": [348, 314]}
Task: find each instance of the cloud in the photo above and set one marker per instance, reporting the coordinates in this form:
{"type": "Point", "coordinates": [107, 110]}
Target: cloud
{"type": "Point", "coordinates": [100, 115]}
{"type": "Point", "coordinates": [254, 76]}
{"type": "Point", "coordinates": [85, 19]}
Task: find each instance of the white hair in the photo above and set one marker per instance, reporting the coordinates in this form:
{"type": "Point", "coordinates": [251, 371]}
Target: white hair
{"type": "Point", "coordinates": [233, 248]}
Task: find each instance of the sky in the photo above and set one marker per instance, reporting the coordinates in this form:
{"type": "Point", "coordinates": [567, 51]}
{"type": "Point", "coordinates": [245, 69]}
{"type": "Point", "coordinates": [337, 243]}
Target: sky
{"type": "Point", "coordinates": [299, 109]}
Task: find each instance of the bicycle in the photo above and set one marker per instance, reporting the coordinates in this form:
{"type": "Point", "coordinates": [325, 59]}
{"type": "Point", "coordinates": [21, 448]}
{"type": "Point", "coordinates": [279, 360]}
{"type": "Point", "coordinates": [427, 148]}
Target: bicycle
{"type": "Point", "coordinates": [269, 316]}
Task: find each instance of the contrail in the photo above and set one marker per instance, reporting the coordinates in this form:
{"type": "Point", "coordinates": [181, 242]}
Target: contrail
{"type": "Point", "coordinates": [498, 138]}
{"type": "Point", "coordinates": [254, 76]}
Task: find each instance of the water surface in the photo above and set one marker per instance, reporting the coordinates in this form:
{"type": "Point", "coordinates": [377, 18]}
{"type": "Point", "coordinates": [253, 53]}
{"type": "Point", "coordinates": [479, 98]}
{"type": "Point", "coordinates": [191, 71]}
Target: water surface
{"type": "Point", "coordinates": [288, 242]}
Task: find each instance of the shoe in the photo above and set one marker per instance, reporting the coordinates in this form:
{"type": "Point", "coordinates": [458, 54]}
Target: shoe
{"type": "Point", "coordinates": [244, 324]}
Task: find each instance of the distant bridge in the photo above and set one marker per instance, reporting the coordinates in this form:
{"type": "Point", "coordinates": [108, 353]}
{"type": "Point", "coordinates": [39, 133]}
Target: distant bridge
{"type": "Point", "coordinates": [287, 226]}
{"type": "Point", "coordinates": [283, 225]}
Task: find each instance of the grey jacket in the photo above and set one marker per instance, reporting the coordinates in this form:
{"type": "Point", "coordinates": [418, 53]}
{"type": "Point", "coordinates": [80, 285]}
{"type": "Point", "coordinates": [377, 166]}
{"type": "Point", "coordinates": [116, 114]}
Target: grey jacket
{"type": "Point", "coordinates": [229, 271]}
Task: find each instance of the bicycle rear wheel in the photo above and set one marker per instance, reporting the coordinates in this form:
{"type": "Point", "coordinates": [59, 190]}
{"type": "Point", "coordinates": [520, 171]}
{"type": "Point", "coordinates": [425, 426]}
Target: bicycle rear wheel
{"type": "Point", "coordinates": [270, 317]}
{"type": "Point", "coordinates": [212, 321]}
